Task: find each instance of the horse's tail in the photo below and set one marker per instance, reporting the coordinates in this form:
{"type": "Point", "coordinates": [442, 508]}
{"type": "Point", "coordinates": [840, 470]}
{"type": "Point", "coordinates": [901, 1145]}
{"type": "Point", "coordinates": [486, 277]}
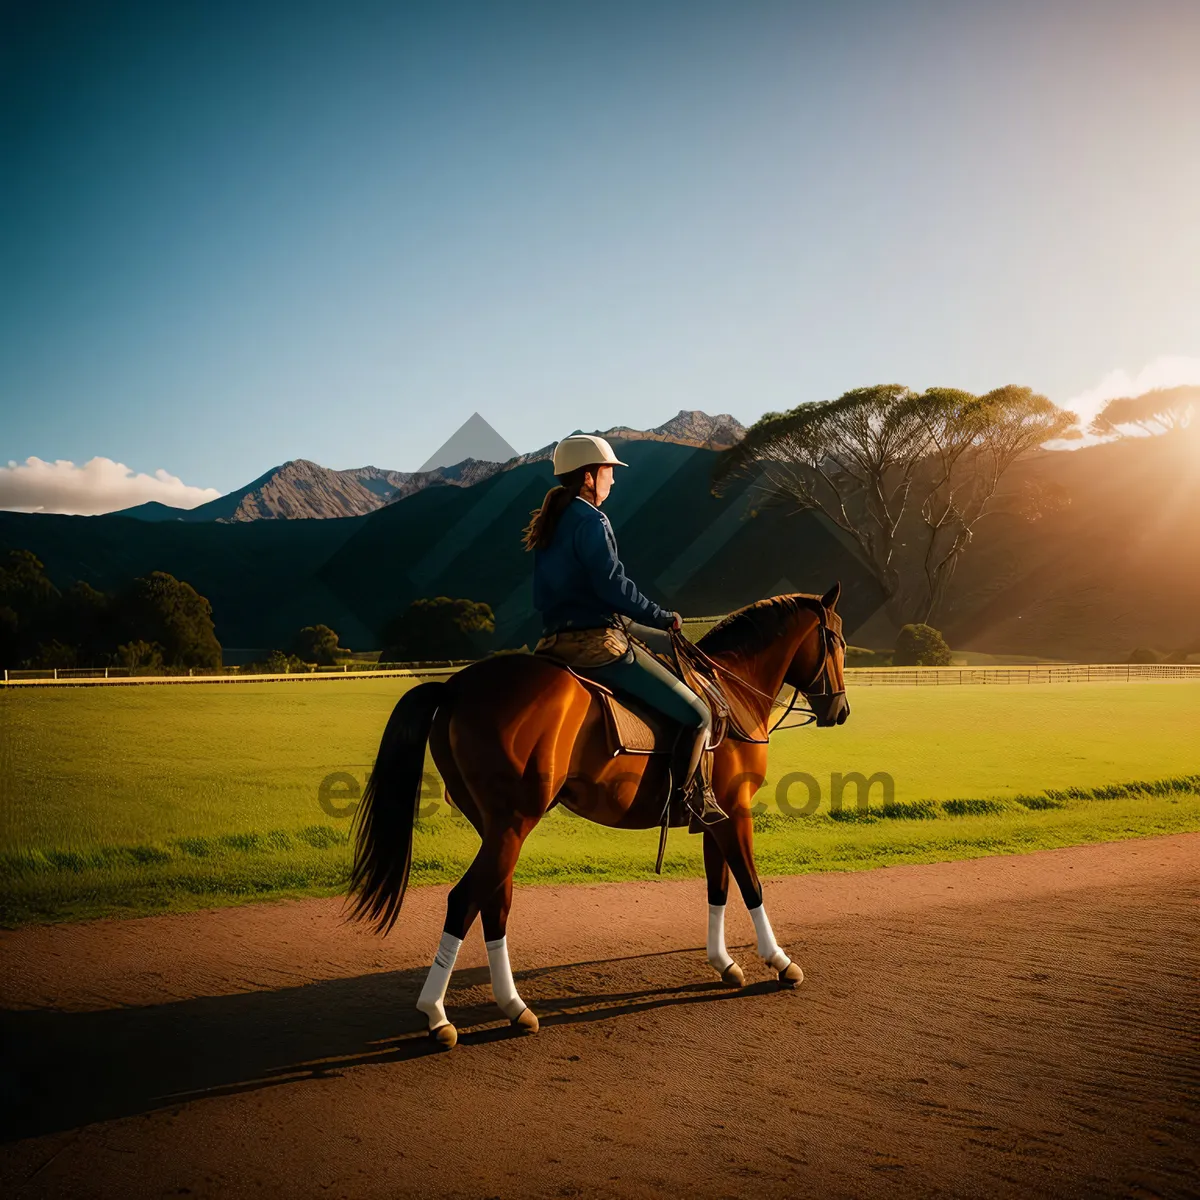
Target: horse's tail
{"type": "Point", "coordinates": [385, 818]}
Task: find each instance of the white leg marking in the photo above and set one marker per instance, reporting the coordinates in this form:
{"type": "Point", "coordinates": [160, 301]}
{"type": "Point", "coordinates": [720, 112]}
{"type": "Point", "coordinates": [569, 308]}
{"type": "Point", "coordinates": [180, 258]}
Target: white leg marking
{"type": "Point", "coordinates": [718, 956]}
{"type": "Point", "coordinates": [768, 947]}
{"type": "Point", "coordinates": [434, 991]}
{"type": "Point", "coordinates": [504, 987]}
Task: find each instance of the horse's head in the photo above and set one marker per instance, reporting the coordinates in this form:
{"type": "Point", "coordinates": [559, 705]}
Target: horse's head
{"type": "Point", "coordinates": [817, 668]}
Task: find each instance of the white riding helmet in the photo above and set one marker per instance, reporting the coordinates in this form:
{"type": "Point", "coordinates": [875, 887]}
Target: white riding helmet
{"type": "Point", "coordinates": [583, 450]}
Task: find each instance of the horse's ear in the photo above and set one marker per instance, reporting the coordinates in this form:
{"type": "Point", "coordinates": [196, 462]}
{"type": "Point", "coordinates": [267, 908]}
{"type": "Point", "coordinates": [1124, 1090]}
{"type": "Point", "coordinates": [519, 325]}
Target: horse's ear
{"type": "Point", "coordinates": [830, 598]}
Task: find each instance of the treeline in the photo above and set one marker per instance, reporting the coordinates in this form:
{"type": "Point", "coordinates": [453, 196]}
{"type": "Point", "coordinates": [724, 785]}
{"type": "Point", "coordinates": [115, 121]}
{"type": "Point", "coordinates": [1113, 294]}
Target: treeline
{"type": "Point", "coordinates": [153, 621]}
{"type": "Point", "coordinates": [158, 622]}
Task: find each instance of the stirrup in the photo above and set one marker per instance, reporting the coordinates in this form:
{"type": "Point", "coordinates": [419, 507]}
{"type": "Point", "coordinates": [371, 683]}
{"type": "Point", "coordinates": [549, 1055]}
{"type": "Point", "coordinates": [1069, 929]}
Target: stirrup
{"type": "Point", "coordinates": [708, 812]}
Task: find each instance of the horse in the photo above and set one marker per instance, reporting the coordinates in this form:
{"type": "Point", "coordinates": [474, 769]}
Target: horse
{"type": "Point", "coordinates": [513, 735]}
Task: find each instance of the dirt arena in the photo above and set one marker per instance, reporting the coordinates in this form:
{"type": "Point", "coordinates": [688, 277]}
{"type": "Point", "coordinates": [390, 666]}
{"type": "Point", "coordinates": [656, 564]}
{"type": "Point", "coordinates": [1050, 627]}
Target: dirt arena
{"type": "Point", "coordinates": [1009, 1026]}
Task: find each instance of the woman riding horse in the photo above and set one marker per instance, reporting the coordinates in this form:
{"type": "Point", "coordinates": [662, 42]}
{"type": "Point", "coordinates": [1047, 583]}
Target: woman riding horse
{"type": "Point", "coordinates": [581, 590]}
{"type": "Point", "coordinates": [515, 735]}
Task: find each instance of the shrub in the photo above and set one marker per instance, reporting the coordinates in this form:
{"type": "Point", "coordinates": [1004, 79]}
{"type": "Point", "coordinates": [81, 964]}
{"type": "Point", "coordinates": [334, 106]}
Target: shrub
{"type": "Point", "coordinates": [972, 807]}
{"type": "Point", "coordinates": [912, 810]}
{"type": "Point", "coordinates": [1040, 803]}
{"type": "Point", "coordinates": [54, 654]}
{"type": "Point", "coordinates": [920, 646]}
{"type": "Point", "coordinates": [140, 656]}
{"type": "Point", "coordinates": [279, 663]}
{"type": "Point", "coordinates": [1143, 654]}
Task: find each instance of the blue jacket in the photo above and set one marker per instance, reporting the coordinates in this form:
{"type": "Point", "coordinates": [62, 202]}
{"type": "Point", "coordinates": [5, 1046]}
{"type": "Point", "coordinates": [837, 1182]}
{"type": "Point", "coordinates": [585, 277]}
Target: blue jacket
{"type": "Point", "coordinates": [578, 580]}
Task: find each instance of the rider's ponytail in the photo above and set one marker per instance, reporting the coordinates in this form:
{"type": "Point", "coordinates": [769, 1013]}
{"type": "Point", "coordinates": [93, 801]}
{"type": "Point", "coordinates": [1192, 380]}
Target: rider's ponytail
{"type": "Point", "coordinates": [540, 530]}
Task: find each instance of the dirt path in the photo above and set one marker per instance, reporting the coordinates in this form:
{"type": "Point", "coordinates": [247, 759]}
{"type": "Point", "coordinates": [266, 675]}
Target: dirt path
{"type": "Point", "coordinates": [1006, 1026]}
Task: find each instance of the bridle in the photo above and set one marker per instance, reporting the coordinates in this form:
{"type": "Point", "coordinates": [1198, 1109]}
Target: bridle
{"type": "Point", "coordinates": [830, 638]}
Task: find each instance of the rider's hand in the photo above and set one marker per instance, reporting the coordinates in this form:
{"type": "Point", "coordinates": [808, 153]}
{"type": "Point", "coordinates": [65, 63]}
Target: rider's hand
{"type": "Point", "coordinates": [676, 622]}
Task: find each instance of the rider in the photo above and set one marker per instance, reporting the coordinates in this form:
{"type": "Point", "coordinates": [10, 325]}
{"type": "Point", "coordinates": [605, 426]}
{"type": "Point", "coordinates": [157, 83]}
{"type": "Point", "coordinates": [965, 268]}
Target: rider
{"type": "Point", "coordinates": [582, 591]}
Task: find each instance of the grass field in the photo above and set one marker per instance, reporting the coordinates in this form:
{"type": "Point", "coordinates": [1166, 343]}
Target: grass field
{"type": "Point", "coordinates": [131, 800]}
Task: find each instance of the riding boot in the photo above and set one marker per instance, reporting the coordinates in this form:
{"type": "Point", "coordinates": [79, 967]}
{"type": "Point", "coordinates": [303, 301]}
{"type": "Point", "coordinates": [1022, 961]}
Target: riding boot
{"type": "Point", "coordinates": [689, 779]}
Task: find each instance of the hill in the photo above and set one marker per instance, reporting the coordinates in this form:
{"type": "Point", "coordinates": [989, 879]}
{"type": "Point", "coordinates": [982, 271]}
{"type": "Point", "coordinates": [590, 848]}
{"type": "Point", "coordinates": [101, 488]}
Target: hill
{"type": "Point", "coordinates": [1113, 562]}
{"type": "Point", "coordinates": [685, 547]}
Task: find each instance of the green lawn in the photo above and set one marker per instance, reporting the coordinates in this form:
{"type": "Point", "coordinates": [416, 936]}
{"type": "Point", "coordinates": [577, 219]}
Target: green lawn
{"type": "Point", "coordinates": [134, 799]}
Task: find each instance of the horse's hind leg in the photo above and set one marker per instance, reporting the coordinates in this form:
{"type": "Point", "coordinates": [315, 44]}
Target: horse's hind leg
{"type": "Point", "coordinates": [716, 870]}
{"type": "Point", "coordinates": [486, 888]}
{"type": "Point", "coordinates": [431, 1001]}
{"type": "Point", "coordinates": [494, 910]}
{"type": "Point", "coordinates": [735, 838]}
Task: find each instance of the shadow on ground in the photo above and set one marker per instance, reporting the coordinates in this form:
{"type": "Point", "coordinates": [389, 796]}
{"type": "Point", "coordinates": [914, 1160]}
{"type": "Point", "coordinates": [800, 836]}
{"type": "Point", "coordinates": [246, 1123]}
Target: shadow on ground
{"type": "Point", "coordinates": [62, 1070]}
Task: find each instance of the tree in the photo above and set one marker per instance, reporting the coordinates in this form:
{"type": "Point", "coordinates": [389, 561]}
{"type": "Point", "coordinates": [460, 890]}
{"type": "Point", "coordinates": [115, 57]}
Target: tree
{"type": "Point", "coordinates": [316, 644]}
{"type": "Point", "coordinates": [1161, 410]}
{"type": "Point", "coordinates": [438, 629]}
{"type": "Point", "coordinates": [920, 646]}
{"type": "Point", "coordinates": [85, 622]}
{"type": "Point", "coordinates": [9, 637]}
{"type": "Point", "coordinates": [31, 602]}
{"type": "Point", "coordinates": [906, 476]}
{"type": "Point", "coordinates": [23, 582]}
{"type": "Point", "coordinates": [163, 610]}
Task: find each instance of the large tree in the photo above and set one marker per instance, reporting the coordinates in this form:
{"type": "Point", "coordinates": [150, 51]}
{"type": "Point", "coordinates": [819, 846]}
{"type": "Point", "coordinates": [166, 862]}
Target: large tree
{"type": "Point", "coordinates": [29, 604]}
{"type": "Point", "coordinates": [905, 476]}
{"type": "Point", "coordinates": [316, 644]}
{"type": "Point", "coordinates": [160, 609]}
{"type": "Point", "coordinates": [1161, 410]}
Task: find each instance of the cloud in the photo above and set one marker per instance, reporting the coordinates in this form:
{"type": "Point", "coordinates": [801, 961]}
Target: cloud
{"type": "Point", "coordinates": [98, 486]}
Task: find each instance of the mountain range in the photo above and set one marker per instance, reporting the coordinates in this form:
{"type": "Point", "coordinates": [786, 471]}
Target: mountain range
{"type": "Point", "coordinates": [1094, 552]}
{"type": "Point", "coordinates": [300, 488]}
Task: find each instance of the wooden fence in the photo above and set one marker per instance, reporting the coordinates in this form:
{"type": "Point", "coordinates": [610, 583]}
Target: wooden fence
{"type": "Point", "coordinates": [856, 677]}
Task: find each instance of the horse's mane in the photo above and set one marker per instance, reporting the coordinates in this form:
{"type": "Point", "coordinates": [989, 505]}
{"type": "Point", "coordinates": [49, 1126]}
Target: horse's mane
{"type": "Point", "coordinates": [753, 628]}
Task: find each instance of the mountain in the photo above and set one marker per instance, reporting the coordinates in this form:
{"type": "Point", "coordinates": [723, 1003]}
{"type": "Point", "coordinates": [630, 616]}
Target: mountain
{"type": "Point", "coordinates": [476, 439]}
{"type": "Point", "coordinates": [302, 489]}
{"type": "Point", "coordinates": [689, 427]}
{"type": "Point", "coordinates": [298, 489]}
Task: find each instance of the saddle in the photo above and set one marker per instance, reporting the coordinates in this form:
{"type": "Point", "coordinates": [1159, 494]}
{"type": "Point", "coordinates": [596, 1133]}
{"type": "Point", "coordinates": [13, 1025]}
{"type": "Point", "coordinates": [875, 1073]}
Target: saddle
{"type": "Point", "coordinates": [632, 726]}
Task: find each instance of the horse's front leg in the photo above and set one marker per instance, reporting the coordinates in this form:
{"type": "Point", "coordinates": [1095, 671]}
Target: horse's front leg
{"type": "Point", "coordinates": [716, 871]}
{"type": "Point", "coordinates": [735, 840]}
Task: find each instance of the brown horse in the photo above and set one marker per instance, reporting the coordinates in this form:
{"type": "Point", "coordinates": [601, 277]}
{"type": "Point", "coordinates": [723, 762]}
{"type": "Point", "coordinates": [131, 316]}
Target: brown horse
{"type": "Point", "coordinates": [514, 735]}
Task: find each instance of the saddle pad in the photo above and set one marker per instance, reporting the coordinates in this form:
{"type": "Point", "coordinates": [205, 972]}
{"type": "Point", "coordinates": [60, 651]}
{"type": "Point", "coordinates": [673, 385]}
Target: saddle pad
{"type": "Point", "coordinates": [632, 732]}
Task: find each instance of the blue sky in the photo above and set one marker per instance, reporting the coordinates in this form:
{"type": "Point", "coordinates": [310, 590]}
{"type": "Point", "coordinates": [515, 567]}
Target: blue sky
{"type": "Point", "coordinates": [233, 234]}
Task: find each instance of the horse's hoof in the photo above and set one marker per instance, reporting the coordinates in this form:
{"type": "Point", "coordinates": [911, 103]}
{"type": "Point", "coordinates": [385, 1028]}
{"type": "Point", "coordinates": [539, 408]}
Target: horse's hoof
{"type": "Point", "coordinates": [527, 1022]}
{"type": "Point", "coordinates": [790, 976]}
{"type": "Point", "coordinates": [444, 1036]}
{"type": "Point", "coordinates": [734, 976]}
